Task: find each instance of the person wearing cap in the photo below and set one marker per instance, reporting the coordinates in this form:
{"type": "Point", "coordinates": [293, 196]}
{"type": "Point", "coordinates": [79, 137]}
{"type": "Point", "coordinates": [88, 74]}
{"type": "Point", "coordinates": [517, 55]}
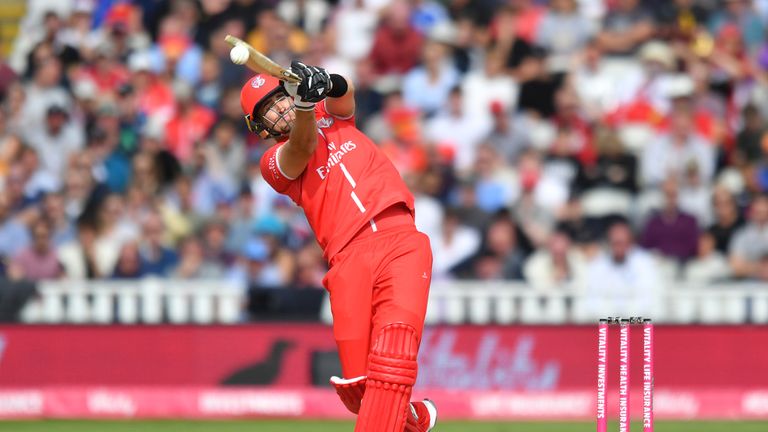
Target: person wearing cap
{"type": "Point", "coordinates": [362, 214]}
{"type": "Point", "coordinates": [55, 140]}
{"type": "Point", "coordinates": [645, 93]}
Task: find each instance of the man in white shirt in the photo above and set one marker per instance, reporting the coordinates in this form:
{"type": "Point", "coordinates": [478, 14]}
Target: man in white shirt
{"type": "Point", "coordinates": [624, 280]}
{"type": "Point", "coordinates": [459, 130]}
{"type": "Point", "coordinates": [678, 151]}
{"type": "Point", "coordinates": [56, 140]}
{"type": "Point", "coordinates": [748, 250]}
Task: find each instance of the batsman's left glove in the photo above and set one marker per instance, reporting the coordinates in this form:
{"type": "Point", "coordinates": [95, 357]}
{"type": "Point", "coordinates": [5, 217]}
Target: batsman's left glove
{"type": "Point", "coordinates": [315, 82]}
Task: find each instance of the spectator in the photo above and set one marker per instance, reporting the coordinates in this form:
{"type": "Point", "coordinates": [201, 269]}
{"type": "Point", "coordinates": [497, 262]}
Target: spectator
{"type": "Point", "coordinates": [501, 257]}
{"type": "Point", "coordinates": [671, 232]}
{"type": "Point", "coordinates": [175, 51]}
{"type": "Point", "coordinates": [615, 168]}
{"type": "Point", "coordinates": [214, 243]}
{"type": "Point", "coordinates": [355, 26]}
{"type": "Point", "coordinates": [558, 267]}
{"type": "Point", "coordinates": [428, 15]}
{"type": "Point", "coordinates": [749, 246]}
{"type": "Point", "coordinates": [563, 32]}
{"type": "Point", "coordinates": [62, 229]}
{"type": "Point", "coordinates": [310, 267]}
{"type": "Point", "coordinates": [740, 14]}
{"type": "Point", "coordinates": [210, 88]}
{"type": "Point", "coordinates": [542, 194]}
{"type": "Point", "coordinates": [506, 43]}
{"type": "Point", "coordinates": [105, 70]}
{"type": "Point", "coordinates": [749, 141]}
{"type": "Point", "coordinates": [193, 264]}
{"type": "Point", "coordinates": [397, 44]}
{"type": "Point", "coordinates": [255, 268]}
{"type": "Point", "coordinates": [455, 245]}
{"type": "Point", "coordinates": [624, 279]}
{"type": "Point", "coordinates": [225, 153]}
{"type": "Point", "coordinates": [695, 197]}
{"type": "Point", "coordinates": [369, 100]}
{"type": "Point", "coordinates": [402, 139]}
{"type": "Point", "coordinates": [189, 125]}
{"type": "Point", "coordinates": [113, 231]}
{"type": "Point", "coordinates": [56, 140]}
{"type": "Point", "coordinates": [426, 87]}
{"type": "Point", "coordinates": [110, 161]}
{"type": "Point", "coordinates": [593, 81]}
{"type": "Point", "coordinates": [682, 19]}
{"type": "Point", "coordinates": [42, 93]}
{"type": "Point", "coordinates": [241, 220]}
{"type": "Point", "coordinates": [14, 186]}
{"type": "Point", "coordinates": [14, 235]}
{"type": "Point", "coordinates": [709, 266]}
{"type": "Point", "coordinates": [626, 27]}
{"type": "Point", "coordinates": [727, 217]}
{"type": "Point", "coordinates": [574, 131]}
{"type": "Point", "coordinates": [308, 15]}
{"type": "Point", "coordinates": [429, 211]}
{"type": "Point", "coordinates": [537, 86]}
{"type": "Point", "coordinates": [527, 19]}
{"type": "Point", "coordinates": [154, 95]}
{"type": "Point", "coordinates": [467, 209]}
{"type": "Point", "coordinates": [711, 109]}
{"type": "Point", "coordinates": [78, 257]}
{"type": "Point", "coordinates": [38, 261]}
{"type": "Point", "coordinates": [276, 38]}
{"type": "Point", "coordinates": [128, 264]}
{"type": "Point", "coordinates": [489, 86]}
{"type": "Point", "coordinates": [38, 181]}
{"type": "Point", "coordinates": [156, 258]}
{"type": "Point", "coordinates": [673, 153]}
{"type": "Point", "coordinates": [458, 131]}
{"type": "Point", "coordinates": [272, 230]}
{"type": "Point", "coordinates": [509, 135]}
{"type": "Point", "coordinates": [495, 184]}
{"type": "Point", "coordinates": [643, 90]}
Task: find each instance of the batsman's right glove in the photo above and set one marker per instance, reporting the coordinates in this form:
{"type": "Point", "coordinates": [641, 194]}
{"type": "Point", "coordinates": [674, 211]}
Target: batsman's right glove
{"type": "Point", "coordinates": [315, 82]}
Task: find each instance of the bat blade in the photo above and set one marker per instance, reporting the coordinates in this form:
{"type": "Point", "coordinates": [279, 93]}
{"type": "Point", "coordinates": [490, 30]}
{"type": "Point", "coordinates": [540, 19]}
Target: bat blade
{"type": "Point", "coordinates": [260, 63]}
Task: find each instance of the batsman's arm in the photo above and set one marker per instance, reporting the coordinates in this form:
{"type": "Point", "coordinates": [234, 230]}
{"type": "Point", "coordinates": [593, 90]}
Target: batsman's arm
{"type": "Point", "coordinates": [295, 154]}
{"type": "Point", "coordinates": [341, 98]}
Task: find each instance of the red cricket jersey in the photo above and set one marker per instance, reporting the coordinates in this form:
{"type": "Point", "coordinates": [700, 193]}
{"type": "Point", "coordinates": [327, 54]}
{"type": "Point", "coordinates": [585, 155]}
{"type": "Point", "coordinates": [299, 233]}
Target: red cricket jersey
{"type": "Point", "coordinates": [346, 183]}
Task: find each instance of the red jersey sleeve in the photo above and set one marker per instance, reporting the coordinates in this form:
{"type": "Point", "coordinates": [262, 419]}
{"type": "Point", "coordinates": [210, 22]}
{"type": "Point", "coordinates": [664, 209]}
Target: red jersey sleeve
{"type": "Point", "coordinates": [271, 171]}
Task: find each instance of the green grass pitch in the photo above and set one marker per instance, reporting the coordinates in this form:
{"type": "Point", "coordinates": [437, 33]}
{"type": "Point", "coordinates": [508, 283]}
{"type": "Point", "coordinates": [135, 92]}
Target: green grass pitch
{"type": "Point", "coordinates": [329, 426]}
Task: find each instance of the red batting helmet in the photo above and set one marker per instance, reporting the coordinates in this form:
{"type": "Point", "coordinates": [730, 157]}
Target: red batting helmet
{"type": "Point", "coordinates": [255, 91]}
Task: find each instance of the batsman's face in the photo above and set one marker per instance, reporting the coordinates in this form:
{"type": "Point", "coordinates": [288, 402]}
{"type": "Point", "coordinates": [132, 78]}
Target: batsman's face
{"type": "Point", "coordinates": [277, 113]}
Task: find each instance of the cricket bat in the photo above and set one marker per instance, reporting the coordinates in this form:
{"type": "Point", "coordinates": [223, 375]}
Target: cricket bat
{"type": "Point", "coordinates": [258, 62]}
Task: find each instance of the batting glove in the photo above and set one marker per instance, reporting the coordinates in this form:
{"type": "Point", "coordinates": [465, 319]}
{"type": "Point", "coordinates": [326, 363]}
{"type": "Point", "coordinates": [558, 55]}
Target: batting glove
{"type": "Point", "coordinates": [298, 102]}
{"type": "Point", "coordinates": [315, 82]}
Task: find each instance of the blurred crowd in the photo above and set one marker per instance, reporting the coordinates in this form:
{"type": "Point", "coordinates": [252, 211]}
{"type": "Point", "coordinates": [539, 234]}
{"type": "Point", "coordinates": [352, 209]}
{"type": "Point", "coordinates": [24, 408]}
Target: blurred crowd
{"type": "Point", "coordinates": [565, 143]}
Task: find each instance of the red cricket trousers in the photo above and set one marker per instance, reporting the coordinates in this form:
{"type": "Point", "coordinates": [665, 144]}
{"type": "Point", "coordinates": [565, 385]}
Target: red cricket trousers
{"type": "Point", "coordinates": [379, 278]}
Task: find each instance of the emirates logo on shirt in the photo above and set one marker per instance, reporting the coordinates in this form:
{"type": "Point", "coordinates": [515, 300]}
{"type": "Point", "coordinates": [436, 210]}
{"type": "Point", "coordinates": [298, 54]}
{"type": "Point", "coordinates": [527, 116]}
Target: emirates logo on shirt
{"type": "Point", "coordinates": [334, 157]}
{"type": "Point", "coordinates": [257, 82]}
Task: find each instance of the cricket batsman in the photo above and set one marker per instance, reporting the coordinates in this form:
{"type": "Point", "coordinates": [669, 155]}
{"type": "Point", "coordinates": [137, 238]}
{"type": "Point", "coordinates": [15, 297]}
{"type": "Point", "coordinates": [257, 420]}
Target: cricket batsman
{"type": "Point", "coordinates": [363, 217]}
